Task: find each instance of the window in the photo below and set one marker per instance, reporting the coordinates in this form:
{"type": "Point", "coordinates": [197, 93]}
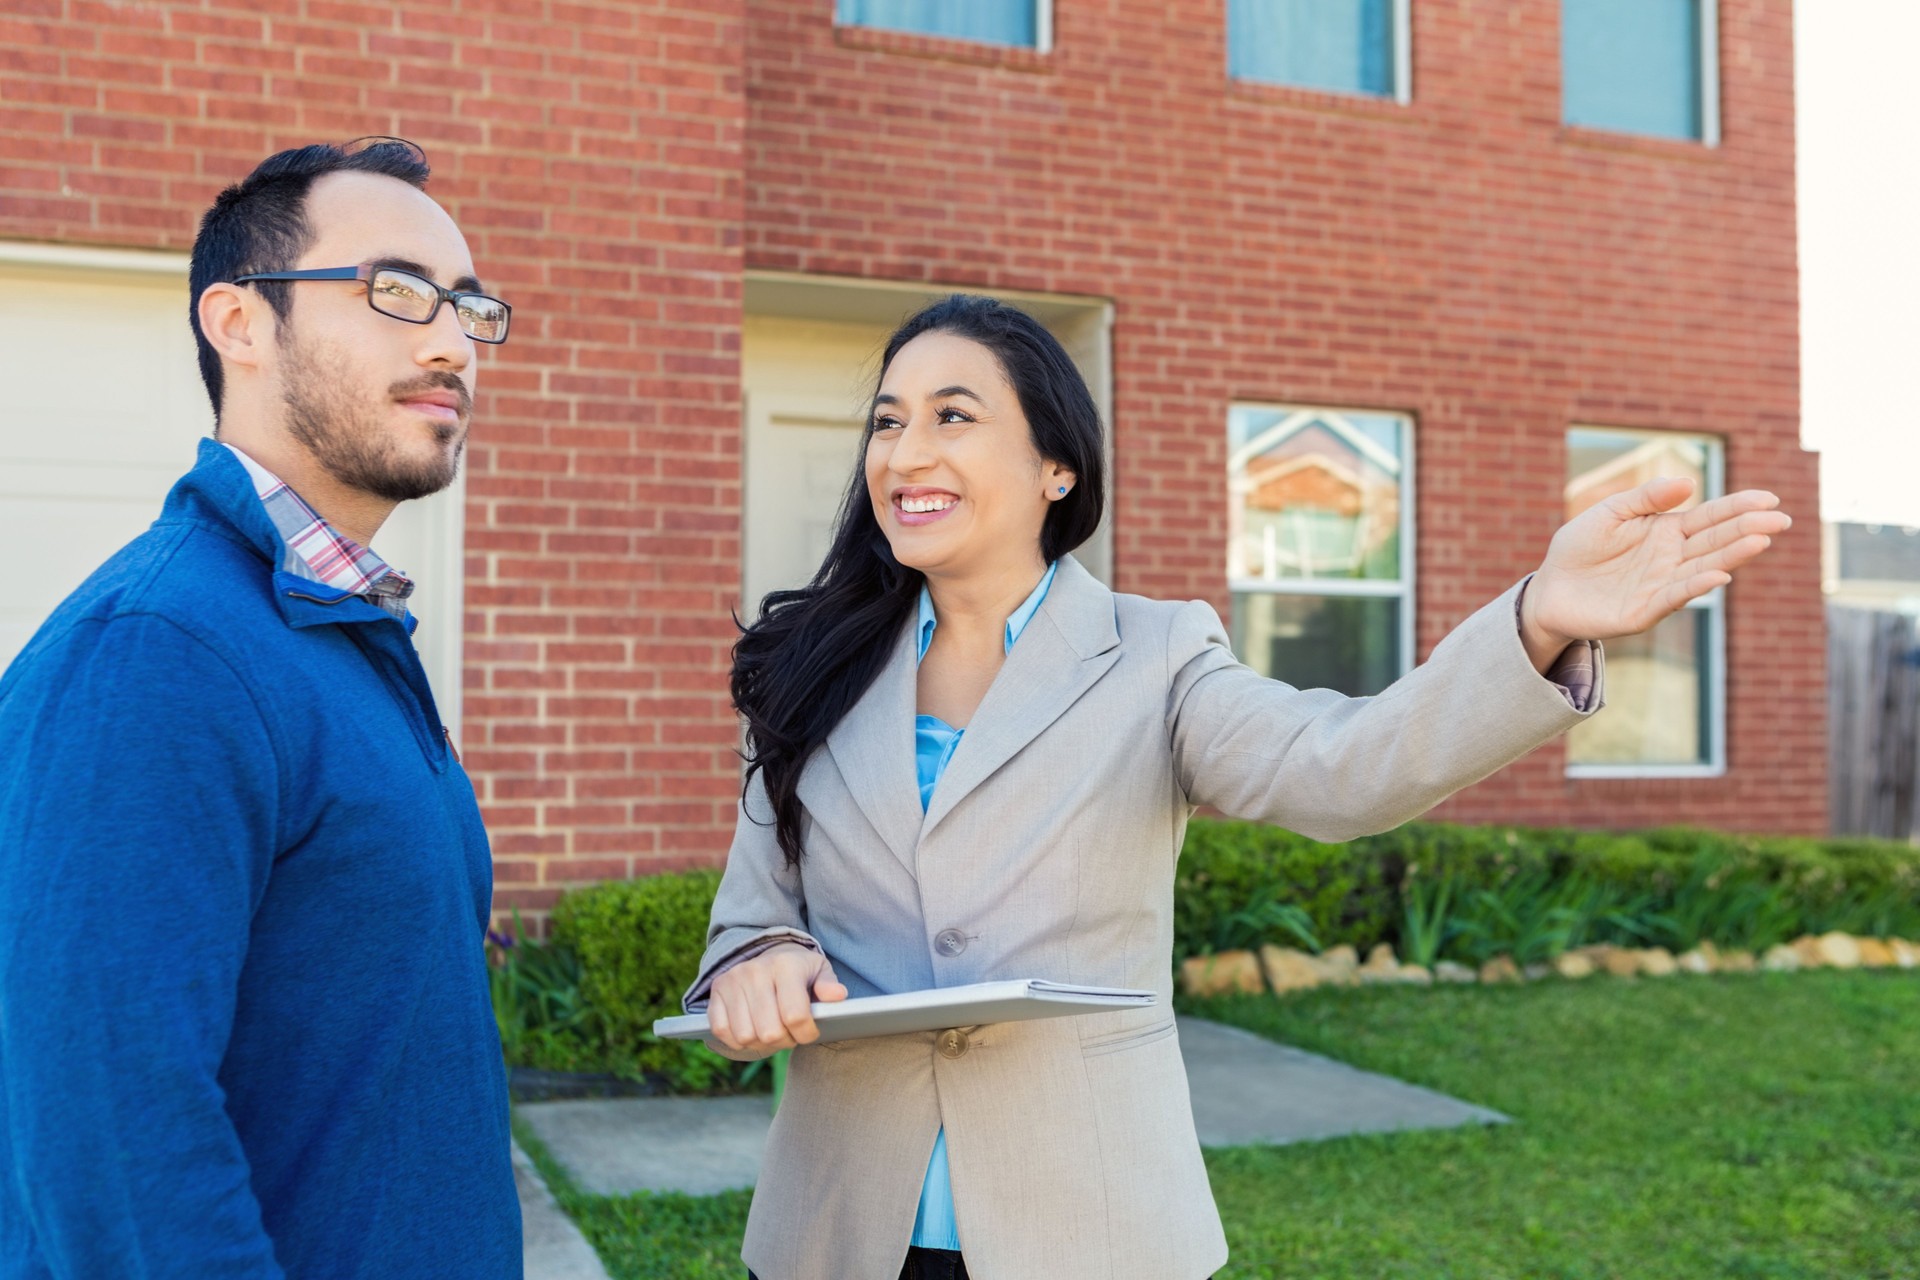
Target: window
{"type": "Point", "coordinates": [1641, 66]}
{"type": "Point", "coordinates": [1026, 23]}
{"type": "Point", "coordinates": [1320, 545]}
{"type": "Point", "coordinates": [1344, 46]}
{"type": "Point", "coordinates": [1665, 689]}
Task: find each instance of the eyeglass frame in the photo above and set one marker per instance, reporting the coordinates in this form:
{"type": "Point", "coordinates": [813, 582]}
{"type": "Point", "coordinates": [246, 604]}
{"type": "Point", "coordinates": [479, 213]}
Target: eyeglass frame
{"type": "Point", "coordinates": [367, 270]}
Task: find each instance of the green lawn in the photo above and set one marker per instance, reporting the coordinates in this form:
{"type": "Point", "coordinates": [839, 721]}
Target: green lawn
{"type": "Point", "coordinates": [1761, 1128]}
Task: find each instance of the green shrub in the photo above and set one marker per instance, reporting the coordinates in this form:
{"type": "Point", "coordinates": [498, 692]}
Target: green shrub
{"type": "Point", "coordinates": [1434, 890]}
{"type": "Point", "coordinates": [639, 943]}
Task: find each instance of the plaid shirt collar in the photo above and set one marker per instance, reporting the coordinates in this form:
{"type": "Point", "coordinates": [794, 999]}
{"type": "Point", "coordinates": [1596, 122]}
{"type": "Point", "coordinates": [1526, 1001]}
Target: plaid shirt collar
{"type": "Point", "coordinates": [318, 552]}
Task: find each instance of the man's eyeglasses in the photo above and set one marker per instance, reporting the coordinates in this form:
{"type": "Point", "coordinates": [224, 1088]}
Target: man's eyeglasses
{"type": "Point", "coordinates": [413, 298]}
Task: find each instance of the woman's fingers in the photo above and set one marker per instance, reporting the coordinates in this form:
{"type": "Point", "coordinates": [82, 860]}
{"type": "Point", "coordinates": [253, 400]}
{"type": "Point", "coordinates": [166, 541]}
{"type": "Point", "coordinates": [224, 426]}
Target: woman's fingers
{"type": "Point", "coordinates": [795, 1005]}
{"type": "Point", "coordinates": [1731, 506]}
{"type": "Point", "coordinates": [1653, 497]}
{"type": "Point", "coordinates": [1743, 525]}
{"type": "Point", "coordinates": [1729, 557]}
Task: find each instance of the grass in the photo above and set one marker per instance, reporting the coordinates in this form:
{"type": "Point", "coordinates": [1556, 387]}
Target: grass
{"type": "Point", "coordinates": [1762, 1128]}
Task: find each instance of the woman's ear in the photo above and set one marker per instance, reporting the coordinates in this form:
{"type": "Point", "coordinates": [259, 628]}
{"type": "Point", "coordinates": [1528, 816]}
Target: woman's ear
{"type": "Point", "coordinates": [1060, 480]}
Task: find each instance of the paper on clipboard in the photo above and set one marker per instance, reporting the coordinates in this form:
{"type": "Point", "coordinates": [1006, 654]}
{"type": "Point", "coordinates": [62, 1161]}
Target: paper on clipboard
{"type": "Point", "coordinates": [1018, 1000]}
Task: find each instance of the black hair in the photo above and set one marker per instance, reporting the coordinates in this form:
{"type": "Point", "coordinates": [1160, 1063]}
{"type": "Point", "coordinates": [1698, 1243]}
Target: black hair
{"type": "Point", "coordinates": [260, 224]}
{"type": "Point", "coordinates": [813, 651]}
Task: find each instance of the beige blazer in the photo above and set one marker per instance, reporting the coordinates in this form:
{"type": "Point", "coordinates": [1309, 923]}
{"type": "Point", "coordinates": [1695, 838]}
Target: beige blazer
{"type": "Point", "coordinates": [1048, 852]}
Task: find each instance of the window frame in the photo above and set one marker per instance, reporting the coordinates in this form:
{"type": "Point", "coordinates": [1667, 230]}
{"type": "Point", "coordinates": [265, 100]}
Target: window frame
{"type": "Point", "coordinates": [1404, 588]}
{"type": "Point", "coordinates": [1709, 36]}
{"type": "Point", "coordinates": [1402, 94]}
{"type": "Point", "coordinates": [1714, 605]}
{"type": "Point", "coordinates": [1042, 30]}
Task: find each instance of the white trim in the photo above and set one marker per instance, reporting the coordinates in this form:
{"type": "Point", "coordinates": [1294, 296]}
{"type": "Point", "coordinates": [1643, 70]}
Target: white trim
{"type": "Point", "coordinates": [1042, 29]}
{"type": "Point", "coordinates": [1629, 771]}
{"type": "Point", "coordinates": [1403, 52]}
{"type": "Point", "coordinates": [1402, 588]}
{"type": "Point", "coordinates": [1378, 587]}
{"type": "Point", "coordinates": [1710, 72]}
{"type": "Point", "coordinates": [25, 253]}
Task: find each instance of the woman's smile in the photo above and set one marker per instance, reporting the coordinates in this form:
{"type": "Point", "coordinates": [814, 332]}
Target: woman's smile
{"type": "Point", "coordinates": [916, 506]}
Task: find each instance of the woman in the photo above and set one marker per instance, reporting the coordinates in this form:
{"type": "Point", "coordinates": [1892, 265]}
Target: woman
{"type": "Point", "coordinates": [969, 760]}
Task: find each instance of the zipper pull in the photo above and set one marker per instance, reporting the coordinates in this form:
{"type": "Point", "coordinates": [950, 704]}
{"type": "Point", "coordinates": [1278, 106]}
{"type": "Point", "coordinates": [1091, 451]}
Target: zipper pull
{"type": "Point", "coordinates": [448, 735]}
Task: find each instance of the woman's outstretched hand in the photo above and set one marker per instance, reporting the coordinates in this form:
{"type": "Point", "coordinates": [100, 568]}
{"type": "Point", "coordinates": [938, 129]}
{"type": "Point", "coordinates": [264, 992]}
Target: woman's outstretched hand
{"type": "Point", "coordinates": [765, 1004]}
{"type": "Point", "coordinates": [1630, 560]}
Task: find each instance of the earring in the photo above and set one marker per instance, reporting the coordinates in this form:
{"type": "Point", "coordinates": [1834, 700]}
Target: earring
{"type": "Point", "coordinates": [1063, 490]}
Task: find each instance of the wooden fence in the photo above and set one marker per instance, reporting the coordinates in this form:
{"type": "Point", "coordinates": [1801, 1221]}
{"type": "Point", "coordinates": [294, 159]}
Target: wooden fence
{"type": "Point", "coordinates": [1873, 722]}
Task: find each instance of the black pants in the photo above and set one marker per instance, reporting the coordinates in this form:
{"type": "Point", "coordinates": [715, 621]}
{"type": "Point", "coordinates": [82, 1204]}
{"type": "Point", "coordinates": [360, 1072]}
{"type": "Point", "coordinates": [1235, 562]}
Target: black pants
{"type": "Point", "coordinates": [926, 1264]}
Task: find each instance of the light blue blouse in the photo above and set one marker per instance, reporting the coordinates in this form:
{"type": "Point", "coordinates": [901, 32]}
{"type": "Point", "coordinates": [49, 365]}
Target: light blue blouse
{"type": "Point", "coordinates": [934, 741]}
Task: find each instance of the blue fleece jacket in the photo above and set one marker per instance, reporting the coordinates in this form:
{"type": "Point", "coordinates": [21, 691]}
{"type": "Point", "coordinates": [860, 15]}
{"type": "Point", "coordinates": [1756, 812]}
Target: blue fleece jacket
{"type": "Point", "coordinates": [244, 1026]}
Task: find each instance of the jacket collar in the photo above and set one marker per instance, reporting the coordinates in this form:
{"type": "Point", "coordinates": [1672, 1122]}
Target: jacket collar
{"type": "Point", "coordinates": [1072, 641]}
{"type": "Point", "coordinates": [220, 494]}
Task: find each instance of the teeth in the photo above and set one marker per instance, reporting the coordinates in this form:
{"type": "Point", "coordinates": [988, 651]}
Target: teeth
{"type": "Point", "coordinates": [919, 506]}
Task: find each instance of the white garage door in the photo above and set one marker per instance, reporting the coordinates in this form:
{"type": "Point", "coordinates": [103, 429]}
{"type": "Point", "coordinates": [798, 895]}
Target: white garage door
{"type": "Point", "coordinates": [101, 410]}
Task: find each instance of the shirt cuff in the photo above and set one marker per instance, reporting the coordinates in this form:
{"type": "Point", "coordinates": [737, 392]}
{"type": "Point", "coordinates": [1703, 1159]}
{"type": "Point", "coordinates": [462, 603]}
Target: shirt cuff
{"type": "Point", "coordinates": [1573, 672]}
{"type": "Point", "coordinates": [698, 994]}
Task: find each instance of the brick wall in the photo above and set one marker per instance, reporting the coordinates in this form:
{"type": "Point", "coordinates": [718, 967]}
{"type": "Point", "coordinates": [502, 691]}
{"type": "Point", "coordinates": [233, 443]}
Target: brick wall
{"type": "Point", "coordinates": [617, 164]}
{"type": "Point", "coordinates": [592, 154]}
{"type": "Point", "coordinates": [1466, 258]}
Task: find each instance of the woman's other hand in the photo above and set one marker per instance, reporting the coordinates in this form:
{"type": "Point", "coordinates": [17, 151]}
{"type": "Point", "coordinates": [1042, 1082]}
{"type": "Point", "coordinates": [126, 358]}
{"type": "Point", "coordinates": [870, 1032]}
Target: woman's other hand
{"type": "Point", "coordinates": [1630, 560]}
{"type": "Point", "coordinates": [765, 1004]}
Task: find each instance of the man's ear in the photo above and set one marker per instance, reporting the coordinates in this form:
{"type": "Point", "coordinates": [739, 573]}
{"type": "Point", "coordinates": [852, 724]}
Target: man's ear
{"type": "Point", "coordinates": [237, 323]}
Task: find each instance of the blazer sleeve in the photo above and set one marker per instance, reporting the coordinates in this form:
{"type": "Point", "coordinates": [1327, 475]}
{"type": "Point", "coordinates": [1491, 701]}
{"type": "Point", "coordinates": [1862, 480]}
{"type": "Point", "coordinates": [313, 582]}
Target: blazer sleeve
{"type": "Point", "coordinates": [761, 904]}
{"type": "Point", "coordinates": [1335, 768]}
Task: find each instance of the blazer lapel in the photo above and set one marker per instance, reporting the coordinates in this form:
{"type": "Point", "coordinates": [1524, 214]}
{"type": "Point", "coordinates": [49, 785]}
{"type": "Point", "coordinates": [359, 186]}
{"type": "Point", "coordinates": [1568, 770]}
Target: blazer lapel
{"type": "Point", "coordinates": [873, 748]}
{"type": "Point", "coordinates": [1068, 646]}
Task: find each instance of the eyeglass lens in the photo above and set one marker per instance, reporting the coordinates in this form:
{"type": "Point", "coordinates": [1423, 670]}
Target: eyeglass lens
{"type": "Point", "coordinates": [405, 296]}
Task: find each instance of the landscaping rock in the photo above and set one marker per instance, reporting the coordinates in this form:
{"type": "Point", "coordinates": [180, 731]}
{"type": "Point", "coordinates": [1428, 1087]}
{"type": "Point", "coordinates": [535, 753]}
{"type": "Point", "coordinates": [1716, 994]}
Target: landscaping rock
{"type": "Point", "coordinates": [1340, 965]}
{"type": "Point", "coordinates": [1839, 950]}
{"type": "Point", "coordinates": [1875, 954]}
{"type": "Point", "coordinates": [1573, 964]}
{"type": "Point", "coordinates": [1289, 970]}
{"type": "Point", "coordinates": [1535, 972]}
{"type": "Point", "coordinates": [1694, 961]}
{"type": "Point", "coordinates": [1807, 947]}
{"type": "Point", "coordinates": [1414, 975]}
{"type": "Point", "coordinates": [1621, 962]}
{"type": "Point", "coordinates": [1449, 971]}
{"type": "Point", "coordinates": [1738, 962]}
{"type": "Point", "coordinates": [1658, 962]}
{"type": "Point", "coordinates": [1229, 973]}
{"type": "Point", "coordinates": [1381, 966]}
{"type": "Point", "coordinates": [1905, 954]}
{"type": "Point", "coordinates": [1500, 969]}
{"type": "Point", "coordinates": [1783, 958]}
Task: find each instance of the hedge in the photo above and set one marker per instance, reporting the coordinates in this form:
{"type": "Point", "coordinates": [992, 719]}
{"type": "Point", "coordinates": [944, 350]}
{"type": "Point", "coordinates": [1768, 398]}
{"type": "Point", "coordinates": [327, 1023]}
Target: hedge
{"type": "Point", "coordinates": [638, 942]}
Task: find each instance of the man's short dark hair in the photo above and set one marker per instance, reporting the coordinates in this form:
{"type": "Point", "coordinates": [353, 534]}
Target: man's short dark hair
{"type": "Point", "coordinates": [260, 224]}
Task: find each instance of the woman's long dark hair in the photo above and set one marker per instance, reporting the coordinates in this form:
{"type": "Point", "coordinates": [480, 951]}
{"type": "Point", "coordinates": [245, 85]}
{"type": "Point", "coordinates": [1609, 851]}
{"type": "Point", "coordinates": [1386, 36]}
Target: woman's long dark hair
{"type": "Point", "coordinates": [811, 654]}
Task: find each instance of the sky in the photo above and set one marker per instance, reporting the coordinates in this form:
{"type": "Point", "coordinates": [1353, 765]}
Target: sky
{"type": "Point", "coordinates": [1859, 190]}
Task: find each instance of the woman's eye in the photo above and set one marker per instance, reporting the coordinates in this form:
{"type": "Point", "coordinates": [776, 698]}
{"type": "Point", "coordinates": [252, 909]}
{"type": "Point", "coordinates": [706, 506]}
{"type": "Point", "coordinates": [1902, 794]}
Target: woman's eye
{"type": "Point", "coordinates": [950, 416]}
{"type": "Point", "coordinates": [885, 424]}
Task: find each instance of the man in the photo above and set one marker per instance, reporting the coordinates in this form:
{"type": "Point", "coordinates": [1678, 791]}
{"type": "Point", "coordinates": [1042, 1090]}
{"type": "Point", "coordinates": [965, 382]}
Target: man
{"type": "Point", "coordinates": [244, 1022]}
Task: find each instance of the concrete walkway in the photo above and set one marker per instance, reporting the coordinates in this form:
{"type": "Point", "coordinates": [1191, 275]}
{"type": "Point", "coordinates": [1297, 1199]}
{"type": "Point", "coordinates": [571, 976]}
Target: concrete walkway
{"type": "Point", "coordinates": [1245, 1090]}
{"type": "Point", "coordinates": [554, 1249]}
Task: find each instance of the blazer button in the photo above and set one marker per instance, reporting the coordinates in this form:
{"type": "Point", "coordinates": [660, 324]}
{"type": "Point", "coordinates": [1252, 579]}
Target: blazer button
{"type": "Point", "coordinates": [950, 942]}
{"type": "Point", "coordinates": [952, 1042]}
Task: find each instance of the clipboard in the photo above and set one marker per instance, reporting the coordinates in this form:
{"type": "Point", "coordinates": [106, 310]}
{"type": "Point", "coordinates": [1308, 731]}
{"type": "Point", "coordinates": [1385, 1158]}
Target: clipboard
{"type": "Point", "coordinates": [1018, 1000]}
